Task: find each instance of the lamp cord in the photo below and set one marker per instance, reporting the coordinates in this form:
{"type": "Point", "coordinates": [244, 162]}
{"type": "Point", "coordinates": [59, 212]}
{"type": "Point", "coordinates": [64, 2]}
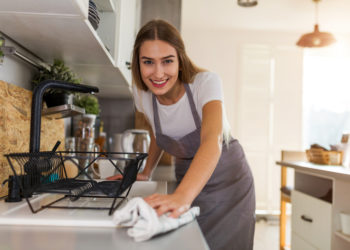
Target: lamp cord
{"type": "Point", "coordinates": [316, 12]}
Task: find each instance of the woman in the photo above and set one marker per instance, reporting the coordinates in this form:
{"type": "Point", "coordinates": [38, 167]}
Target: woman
{"type": "Point", "coordinates": [183, 105]}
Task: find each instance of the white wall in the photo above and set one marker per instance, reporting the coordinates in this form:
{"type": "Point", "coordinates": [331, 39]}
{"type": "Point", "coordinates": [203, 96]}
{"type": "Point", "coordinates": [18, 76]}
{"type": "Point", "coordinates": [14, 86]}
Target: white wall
{"type": "Point", "coordinates": [15, 71]}
{"type": "Point", "coordinates": [218, 50]}
{"type": "Point", "coordinates": [277, 15]}
{"type": "Point", "coordinates": [221, 49]}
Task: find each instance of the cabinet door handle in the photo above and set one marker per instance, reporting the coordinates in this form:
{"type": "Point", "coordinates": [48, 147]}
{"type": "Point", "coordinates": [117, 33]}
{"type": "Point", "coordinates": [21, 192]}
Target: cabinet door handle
{"type": "Point", "coordinates": [306, 218]}
{"type": "Point", "coordinates": [128, 65]}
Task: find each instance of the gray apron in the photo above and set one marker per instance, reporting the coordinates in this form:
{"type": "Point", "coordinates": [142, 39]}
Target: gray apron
{"type": "Point", "coordinates": [227, 201]}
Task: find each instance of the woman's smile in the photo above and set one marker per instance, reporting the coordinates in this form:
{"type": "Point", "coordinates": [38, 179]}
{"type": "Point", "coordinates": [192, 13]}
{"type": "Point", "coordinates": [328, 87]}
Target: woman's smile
{"type": "Point", "coordinates": [159, 83]}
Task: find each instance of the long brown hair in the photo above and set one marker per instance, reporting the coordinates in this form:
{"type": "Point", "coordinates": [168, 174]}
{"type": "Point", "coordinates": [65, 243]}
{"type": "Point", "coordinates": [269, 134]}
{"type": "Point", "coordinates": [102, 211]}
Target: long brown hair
{"type": "Point", "coordinates": [161, 30]}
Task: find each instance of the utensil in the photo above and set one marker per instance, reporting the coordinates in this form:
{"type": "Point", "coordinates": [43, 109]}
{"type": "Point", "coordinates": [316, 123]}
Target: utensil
{"type": "Point", "coordinates": [37, 165]}
{"type": "Point", "coordinates": [84, 147]}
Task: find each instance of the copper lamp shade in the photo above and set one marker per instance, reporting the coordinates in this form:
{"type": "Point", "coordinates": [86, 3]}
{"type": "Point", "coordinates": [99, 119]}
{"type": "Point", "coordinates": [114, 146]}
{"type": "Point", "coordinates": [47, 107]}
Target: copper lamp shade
{"type": "Point", "coordinates": [316, 39]}
{"type": "Point", "coordinates": [247, 3]}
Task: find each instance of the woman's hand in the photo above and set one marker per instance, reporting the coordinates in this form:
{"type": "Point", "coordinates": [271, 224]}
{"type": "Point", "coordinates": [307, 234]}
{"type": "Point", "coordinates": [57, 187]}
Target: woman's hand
{"type": "Point", "coordinates": [140, 177]}
{"type": "Point", "coordinates": [168, 203]}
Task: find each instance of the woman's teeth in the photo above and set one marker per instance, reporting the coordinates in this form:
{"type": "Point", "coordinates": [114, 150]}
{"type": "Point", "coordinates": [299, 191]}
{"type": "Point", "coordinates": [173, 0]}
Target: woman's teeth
{"type": "Point", "coordinates": [159, 82]}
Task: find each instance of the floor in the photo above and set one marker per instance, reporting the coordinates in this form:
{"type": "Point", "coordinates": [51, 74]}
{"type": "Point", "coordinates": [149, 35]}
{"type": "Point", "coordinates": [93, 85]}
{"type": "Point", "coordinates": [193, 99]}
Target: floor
{"type": "Point", "coordinates": [267, 233]}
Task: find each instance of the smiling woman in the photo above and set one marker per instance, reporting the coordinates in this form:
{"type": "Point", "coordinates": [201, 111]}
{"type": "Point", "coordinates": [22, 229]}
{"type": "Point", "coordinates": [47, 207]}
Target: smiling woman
{"type": "Point", "coordinates": [184, 106]}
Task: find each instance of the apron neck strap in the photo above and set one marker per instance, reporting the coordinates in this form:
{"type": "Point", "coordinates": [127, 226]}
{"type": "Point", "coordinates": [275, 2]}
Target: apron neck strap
{"type": "Point", "coordinates": [157, 126]}
{"type": "Point", "coordinates": [195, 115]}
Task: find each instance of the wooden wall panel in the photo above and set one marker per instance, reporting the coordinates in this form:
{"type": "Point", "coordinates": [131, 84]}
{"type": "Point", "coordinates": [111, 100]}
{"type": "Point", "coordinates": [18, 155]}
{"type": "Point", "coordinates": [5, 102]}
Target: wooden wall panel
{"type": "Point", "coordinates": [15, 111]}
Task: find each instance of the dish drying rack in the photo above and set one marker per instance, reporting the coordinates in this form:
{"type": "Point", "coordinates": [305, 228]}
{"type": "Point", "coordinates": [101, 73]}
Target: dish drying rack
{"type": "Point", "coordinates": [46, 172]}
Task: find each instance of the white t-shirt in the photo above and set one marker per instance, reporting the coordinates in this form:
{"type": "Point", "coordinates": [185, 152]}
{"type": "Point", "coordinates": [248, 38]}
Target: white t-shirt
{"type": "Point", "coordinates": [176, 120]}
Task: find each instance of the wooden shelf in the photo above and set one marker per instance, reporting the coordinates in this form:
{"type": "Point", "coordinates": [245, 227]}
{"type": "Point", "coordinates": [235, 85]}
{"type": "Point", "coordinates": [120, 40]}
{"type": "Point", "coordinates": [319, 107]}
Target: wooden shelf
{"type": "Point", "coordinates": [63, 111]}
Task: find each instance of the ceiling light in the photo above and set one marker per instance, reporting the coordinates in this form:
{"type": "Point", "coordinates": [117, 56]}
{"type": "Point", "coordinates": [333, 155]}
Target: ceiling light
{"type": "Point", "coordinates": [316, 39]}
{"type": "Point", "coordinates": [247, 3]}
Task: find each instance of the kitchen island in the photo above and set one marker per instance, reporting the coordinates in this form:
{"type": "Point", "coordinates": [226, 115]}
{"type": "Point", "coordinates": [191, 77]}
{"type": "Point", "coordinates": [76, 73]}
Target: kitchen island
{"type": "Point", "coordinates": [320, 194]}
{"type": "Point", "coordinates": [85, 228]}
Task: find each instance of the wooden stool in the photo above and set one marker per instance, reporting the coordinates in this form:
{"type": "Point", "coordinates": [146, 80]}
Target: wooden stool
{"type": "Point", "coordinates": [286, 190]}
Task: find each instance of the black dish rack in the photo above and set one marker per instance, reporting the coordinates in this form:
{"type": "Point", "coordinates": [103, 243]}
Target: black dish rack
{"type": "Point", "coordinates": [45, 172]}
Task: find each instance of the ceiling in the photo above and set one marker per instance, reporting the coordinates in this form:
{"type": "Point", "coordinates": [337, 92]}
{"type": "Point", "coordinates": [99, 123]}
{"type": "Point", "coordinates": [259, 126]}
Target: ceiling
{"type": "Point", "coordinates": [284, 15]}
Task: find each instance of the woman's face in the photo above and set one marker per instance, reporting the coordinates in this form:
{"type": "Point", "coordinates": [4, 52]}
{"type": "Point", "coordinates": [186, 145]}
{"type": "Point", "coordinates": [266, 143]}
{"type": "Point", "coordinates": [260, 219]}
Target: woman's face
{"type": "Point", "coordinates": [159, 66]}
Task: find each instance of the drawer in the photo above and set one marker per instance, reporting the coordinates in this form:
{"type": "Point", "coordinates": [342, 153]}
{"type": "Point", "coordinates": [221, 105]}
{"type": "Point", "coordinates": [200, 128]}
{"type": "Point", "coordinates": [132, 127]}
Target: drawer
{"type": "Point", "coordinates": [299, 243]}
{"type": "Point", "coordinates": [311, 219]}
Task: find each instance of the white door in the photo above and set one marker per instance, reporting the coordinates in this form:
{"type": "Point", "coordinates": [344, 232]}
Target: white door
{"type": "Point", "coordinates": [269, 117]}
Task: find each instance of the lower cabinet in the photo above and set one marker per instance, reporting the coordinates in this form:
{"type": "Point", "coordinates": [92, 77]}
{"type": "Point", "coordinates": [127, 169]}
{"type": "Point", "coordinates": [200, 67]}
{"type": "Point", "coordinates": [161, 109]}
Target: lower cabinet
{"type": "Point", "coordinates": [299, 243]}
{"type": "Point", "coordinates": [311, 222]}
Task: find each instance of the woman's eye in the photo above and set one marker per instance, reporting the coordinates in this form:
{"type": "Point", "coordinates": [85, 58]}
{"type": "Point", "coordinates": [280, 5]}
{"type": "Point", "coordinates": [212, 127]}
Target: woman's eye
{"type": "Point", "coordinates": [168, 61]}
{"type": "Point", "coordinates": [147, 62]}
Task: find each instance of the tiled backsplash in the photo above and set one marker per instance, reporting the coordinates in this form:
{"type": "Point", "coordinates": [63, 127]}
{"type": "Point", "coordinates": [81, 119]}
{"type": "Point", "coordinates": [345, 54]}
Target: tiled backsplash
{"type": "Point", "coordinates": [15, 110]}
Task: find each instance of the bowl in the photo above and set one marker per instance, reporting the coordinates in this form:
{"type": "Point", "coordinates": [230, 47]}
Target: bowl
{"type": "Point", "coordinates": [345, 223]}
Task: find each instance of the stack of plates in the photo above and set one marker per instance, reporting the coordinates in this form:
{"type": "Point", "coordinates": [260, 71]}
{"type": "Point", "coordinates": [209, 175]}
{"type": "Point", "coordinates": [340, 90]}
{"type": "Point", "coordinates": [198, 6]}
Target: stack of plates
{"type": "Point", "coordinates": [93, 15]}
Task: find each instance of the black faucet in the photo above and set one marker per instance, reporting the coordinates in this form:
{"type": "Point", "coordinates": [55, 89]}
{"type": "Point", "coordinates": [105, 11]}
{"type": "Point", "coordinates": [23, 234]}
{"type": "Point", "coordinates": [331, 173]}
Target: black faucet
{"type": "Point", "coordinates": [37, 99]}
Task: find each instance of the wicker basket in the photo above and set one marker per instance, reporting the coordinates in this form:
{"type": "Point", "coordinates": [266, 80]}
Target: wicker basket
{"type": "Point", "coordinates": [320, 156]}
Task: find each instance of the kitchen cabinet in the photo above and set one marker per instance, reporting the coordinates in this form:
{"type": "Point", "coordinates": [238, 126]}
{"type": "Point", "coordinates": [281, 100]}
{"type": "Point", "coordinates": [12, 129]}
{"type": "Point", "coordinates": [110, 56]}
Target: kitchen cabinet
{"type": "Point", "coordinates": [311, 220]}
{"type": "Point", "coordinates": [320, 194]}
{"type": "Point", "coordinates": [61, 29]}
{"type": "Point", "coordinates": [299, 243]}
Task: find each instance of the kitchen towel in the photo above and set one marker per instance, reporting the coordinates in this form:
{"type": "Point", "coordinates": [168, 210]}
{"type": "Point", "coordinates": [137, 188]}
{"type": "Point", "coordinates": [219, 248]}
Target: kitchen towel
{"type": "Point", "coordinates": [144, 222]}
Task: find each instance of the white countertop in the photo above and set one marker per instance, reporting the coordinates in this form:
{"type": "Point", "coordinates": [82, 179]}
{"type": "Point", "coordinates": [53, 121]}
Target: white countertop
{"type": "Point", "coordinates": [338, 172]}
{"type": "Point", "coordinates": [83, 229]}
{"type": "Point", "coordinates": [91, 238]}
{"type": "Point", "coordinates": [19, 213]}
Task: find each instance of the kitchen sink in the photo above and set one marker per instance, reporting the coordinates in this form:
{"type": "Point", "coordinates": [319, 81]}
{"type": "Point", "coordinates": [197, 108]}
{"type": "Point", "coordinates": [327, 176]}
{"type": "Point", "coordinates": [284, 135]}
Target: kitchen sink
{"type": "Point", "coordinates": [20, 214]}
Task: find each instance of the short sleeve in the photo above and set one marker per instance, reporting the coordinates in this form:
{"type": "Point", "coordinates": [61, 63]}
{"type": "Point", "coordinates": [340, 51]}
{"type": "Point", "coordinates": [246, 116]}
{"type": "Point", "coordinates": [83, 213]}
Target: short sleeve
{"type": "Point", "coordinates": [209, 88]}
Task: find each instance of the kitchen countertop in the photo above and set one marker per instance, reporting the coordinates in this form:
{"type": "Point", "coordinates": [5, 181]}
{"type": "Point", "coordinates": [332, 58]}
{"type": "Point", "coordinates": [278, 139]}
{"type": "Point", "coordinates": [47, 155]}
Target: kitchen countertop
{"type": "Point", "coordinates": [18, 213]}
{"type": "Point", "coordinates": [338, 172]}
{"type": "Point", "coordinates": [74, 229]}
{"type": "Point", "coordinates": [45, 237]}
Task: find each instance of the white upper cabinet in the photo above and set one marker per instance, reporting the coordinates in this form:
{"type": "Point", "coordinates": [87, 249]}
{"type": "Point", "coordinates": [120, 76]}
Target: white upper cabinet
{"type": "Point", "coordinates": [128, 26]}
{"type": "Point", "coordinates": [46, 7]}
{"type": "Point", "coordinates": [61, 29]}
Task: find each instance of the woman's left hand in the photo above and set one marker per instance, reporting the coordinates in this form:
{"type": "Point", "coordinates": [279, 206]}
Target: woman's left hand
{"type": "Point", "coordinates": [173, 204]}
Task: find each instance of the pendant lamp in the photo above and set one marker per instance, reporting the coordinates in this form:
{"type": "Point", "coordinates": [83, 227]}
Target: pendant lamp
{"type": "Point", "coordinates": [247, 3]}
{"type": "Point", "coordinates": [316, 39]}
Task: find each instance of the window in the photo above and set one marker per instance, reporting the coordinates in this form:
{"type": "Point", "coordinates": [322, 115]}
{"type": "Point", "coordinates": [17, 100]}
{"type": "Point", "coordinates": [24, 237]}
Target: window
{"type": "Point", "coordinates": [326, 96]}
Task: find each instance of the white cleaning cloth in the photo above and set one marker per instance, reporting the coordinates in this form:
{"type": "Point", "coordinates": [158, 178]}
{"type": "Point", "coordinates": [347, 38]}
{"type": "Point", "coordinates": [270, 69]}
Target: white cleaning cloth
{"type": "Point", "coordinates": [144, 221]}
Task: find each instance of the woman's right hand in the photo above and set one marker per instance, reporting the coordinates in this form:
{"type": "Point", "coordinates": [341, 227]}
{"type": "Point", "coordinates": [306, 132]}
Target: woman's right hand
{"type": "Point", "coordinates": [140, 177]}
